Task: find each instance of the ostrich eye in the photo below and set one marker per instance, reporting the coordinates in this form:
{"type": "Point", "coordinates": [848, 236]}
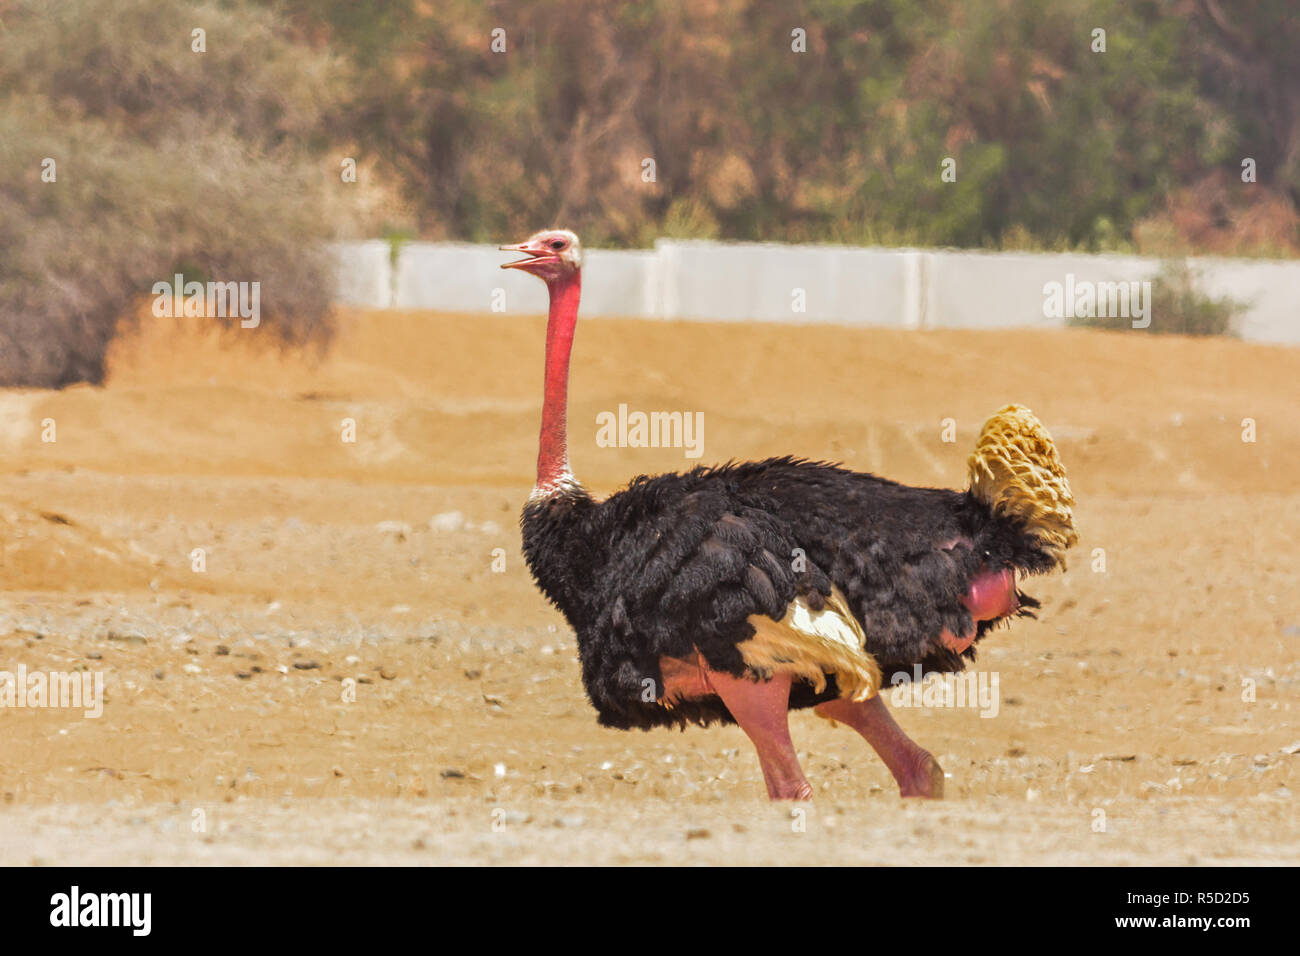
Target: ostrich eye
{"type": "Point", "coordinates": [557, 244]}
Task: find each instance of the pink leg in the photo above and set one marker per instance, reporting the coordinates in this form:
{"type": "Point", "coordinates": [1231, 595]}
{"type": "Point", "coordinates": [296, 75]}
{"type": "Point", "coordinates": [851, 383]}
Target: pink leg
{"type": "Point", "coordinates": [762, 710]}
{"type": "Point", "coordinates": [917, 772]}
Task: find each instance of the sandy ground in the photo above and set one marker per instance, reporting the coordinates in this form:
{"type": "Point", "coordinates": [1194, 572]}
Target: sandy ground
{"type": "Point", "coordinates": [359, 669]}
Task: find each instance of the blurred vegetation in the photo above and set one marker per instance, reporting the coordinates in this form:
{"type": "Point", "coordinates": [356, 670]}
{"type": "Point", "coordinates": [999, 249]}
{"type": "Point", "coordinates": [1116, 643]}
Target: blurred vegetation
{"type": "Point", "coordinates": [1177, 306]}
{"type": "Point", "coordinates": [226, 164]}
{"type": "Point", "coordinates": [1136, 149]}
{"type": "Point", "coordinates": [165, 161]}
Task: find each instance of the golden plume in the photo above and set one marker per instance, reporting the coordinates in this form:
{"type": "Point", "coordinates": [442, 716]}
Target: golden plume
{"type": "Point", "coordinates": [811, 644]}
{"type": "Point", "coordinates": [1017, 472]}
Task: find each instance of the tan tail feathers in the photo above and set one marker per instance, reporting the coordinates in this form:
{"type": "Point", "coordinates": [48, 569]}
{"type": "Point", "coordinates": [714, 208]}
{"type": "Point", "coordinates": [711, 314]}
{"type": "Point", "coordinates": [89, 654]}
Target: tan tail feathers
{"type": "Point", "coordinates": [1016, 471]}
{"type": "Point", "coordinates": [811, 644]}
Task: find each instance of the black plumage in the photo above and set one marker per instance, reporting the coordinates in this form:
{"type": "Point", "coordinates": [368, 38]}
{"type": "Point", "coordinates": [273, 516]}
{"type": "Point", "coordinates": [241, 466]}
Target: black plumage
{"type": "Point", "coordinates": [883, 543]}
{"type": "Point", "coordinates": [677, 563]}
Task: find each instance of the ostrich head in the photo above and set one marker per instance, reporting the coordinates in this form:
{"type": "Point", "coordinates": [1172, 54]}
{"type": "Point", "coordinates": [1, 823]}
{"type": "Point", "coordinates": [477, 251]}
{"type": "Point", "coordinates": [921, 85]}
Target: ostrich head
{"type": "Point", "coordinates": [552, 255]}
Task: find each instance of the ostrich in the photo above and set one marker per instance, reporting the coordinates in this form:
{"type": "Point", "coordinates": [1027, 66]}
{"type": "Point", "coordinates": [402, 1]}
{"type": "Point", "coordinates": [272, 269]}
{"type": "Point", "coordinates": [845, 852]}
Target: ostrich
{"type": "Point", "coordinates": [736, 593]}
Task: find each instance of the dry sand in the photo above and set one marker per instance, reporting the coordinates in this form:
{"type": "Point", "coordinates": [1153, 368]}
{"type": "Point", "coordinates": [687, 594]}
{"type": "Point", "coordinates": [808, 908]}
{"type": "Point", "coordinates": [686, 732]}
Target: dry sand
{"type": "Point", "coordinates": [1157, 696]}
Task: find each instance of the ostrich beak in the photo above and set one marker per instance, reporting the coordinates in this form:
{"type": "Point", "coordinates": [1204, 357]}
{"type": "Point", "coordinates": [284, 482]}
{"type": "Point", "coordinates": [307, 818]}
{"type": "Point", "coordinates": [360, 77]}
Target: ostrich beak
{"type": "Point", "coordinates": [535, 254]}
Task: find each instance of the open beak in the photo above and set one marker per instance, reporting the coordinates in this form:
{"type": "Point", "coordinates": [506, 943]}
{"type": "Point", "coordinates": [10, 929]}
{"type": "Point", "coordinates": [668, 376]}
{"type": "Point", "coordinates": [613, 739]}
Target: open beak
{"type": "Point", "coordinates": [535, 254]}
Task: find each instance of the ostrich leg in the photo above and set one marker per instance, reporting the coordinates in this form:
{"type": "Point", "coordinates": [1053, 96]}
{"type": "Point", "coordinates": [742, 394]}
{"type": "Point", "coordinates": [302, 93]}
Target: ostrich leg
{"type": "Point", "coordinates": [917, 772]}
{"type": "Point", "coordinates": [762, 710]}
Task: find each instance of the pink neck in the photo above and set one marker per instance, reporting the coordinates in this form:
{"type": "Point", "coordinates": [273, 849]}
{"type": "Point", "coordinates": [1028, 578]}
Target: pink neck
{"type": "Point", "coordinates": [553, 445]}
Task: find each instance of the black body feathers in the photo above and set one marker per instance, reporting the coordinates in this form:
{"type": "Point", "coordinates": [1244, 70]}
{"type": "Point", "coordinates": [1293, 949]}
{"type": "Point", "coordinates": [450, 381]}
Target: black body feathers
{"type": "Point", "coordinates": [677, 563]}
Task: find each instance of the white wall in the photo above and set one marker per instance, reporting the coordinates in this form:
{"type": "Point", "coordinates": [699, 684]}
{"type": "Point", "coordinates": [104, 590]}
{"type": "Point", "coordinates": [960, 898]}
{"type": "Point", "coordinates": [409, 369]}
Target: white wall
{"type": "Point", "coordinates": [902, 288]}
{"type": "Point", "coordinates": [981, 290]}
{"type": "Point", "coordinates": [761, 282]}
{"type": "Point", "coordinates": [365, 273]}
{"type": "Point", "coordinates": [1270, 290]}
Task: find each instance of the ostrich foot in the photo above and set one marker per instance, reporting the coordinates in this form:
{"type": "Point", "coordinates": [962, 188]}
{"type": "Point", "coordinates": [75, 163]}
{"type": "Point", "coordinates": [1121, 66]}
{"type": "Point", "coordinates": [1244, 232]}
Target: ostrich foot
{"type": "Point", "coordinates": [917, 772]}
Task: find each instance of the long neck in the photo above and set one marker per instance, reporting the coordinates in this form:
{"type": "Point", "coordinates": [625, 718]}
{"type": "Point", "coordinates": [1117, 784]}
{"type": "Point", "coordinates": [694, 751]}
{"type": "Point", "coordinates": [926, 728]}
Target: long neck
{"type": "Point", "coordinates": [553, 472]}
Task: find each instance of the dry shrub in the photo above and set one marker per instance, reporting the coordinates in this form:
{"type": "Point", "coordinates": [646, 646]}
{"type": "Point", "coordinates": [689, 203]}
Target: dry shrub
{"type": "Point", "coordinates": [166, 161]}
